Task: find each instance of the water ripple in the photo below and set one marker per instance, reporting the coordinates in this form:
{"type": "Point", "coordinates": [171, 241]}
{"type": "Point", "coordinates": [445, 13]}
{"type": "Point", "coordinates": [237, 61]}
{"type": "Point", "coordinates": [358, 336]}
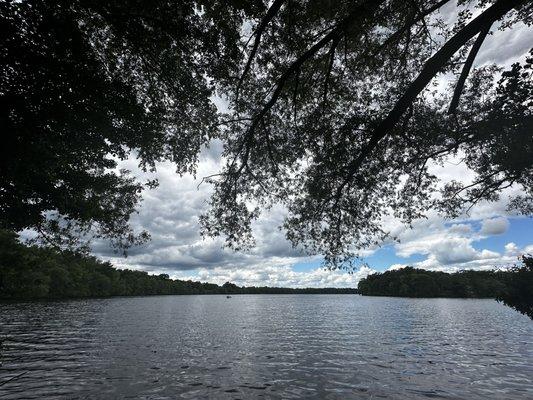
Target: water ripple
{"type": "Point", "coordinates": [265, 347]}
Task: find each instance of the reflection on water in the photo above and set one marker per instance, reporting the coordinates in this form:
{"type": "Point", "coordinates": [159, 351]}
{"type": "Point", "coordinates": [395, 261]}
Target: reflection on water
{"type": "Point", "coordinates": [264, 346]}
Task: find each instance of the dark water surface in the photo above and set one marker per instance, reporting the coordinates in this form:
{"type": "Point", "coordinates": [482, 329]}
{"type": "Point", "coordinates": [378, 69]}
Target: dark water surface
{"type": "Point", "coordinates": [265, 346]}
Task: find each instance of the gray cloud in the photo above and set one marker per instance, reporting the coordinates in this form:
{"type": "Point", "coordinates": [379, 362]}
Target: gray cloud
{"type": "Point", "coordinates": [170, 213]}
{"type": "Point", "coordinates": [494, 226]}
{"type": "Point", "coordinates": [505, 47]}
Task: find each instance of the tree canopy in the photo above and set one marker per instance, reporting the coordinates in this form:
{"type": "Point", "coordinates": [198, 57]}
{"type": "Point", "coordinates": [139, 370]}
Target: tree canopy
{"type": "Point", "coordinates": [336, 118]}
{"type": "Point", "coordinates": [332, 112]}
{"type": "Point", "coordinates": [413, 282]}
{"type": "Point", "coordinates": [519, 291]}
{"type": "Point", "coordinates": [84, 84]}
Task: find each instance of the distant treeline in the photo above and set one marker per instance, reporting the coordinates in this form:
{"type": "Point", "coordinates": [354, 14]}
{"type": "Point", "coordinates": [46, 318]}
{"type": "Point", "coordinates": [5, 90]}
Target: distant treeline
{"type": "Point", "coordinates": [31, 272]}
{"type": "Point", "coordinates": [514, 286]}
{"type": "Point", "coordinates": [413, 282]}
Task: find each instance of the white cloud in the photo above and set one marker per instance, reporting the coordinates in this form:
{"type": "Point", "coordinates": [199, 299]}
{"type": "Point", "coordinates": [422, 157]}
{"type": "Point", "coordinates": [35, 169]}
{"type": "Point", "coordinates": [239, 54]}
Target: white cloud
{"type": "Point", "coordinates": [455, 250]}
{"type": "Point", "coordinates": [394, 267]}
{"type": "Point", "coordinates": [170, 213]}
{"type": "Point", "coordinates": [511, 249]}
{"type": "Point", "coordinates": [461, 229]}
{"type": "Point", "coordinates": [280, 274]}
{"type": "Point", "coordinates": [451, 254]}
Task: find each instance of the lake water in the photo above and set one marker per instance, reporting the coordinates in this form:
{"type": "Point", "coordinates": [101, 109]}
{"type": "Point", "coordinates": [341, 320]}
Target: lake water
{"type": "Point", "coordinates": [265, 347]}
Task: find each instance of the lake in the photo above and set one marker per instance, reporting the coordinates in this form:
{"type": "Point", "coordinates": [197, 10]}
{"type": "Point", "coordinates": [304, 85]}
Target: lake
{"type": "Point", "coordinates": [265, 347]}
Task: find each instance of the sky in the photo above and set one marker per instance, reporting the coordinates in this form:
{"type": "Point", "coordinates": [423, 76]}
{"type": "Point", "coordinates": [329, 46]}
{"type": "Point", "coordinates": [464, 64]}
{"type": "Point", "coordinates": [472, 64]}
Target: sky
{"type": "Point", "coordinates": [488, 237]}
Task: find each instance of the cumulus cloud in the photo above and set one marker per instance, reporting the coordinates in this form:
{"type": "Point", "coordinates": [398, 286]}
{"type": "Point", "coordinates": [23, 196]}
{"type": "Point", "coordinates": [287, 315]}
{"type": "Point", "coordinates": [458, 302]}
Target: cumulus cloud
{"type": "Point", "coordinates": [281, 274]}
{"type": "Point", "coordinates": [452, 247]}
{"type": "Point", "coordinates": [494, 226]}
{"type": "Point", "coordinates": [170, 213]}
{"type": "Point", "coordinates": [443, 245]}
{"type": "Point", "coordinates": [511, 249]}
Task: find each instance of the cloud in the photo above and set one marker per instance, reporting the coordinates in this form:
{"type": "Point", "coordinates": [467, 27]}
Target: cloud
{"type": "Point", "coordinates": [394, 267]}
{"type": "Point", "coordinates": [453, 246]}
{"type": "Point", "coordinates": [170, 213]}
{"type": "Point", "coordinates": [444, 249]}
{"type": "Point", "coordinates": [280, 274]}
{"type": "Point", "coordinates": [494, 226]}
{"type": "Point", "coordinates": [455, 250]}
{"type": "Point", "coordinates": [460, 229]}
{"type": "Point", "coordinates": [511, 249]}
{"type": "Point", "coordinates": [504, 47]}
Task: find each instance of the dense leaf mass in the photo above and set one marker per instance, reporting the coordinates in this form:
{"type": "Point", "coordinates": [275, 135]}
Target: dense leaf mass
{"type": "Point", "coordinates": [413, 282]}
{"type": "Point", "coordinates": [519, 291]}
{"type": "Point", "coordinates": [85, 83]}
{"type": "Point", "coordinates": [335, 110]}
{"type": "Point", "coordinates": [337, 116]}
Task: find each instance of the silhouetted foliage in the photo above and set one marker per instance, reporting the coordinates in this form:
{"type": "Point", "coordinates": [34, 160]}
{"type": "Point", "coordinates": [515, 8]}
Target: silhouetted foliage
{"type": "Point", "coordinates": [331, 112]}
{"type": "Point", "coordinates": [85, 83]}
{"type": "Point", "coordinates": [335, 115]}
{"type": "Point", "coordinates": [519, 287]}
{"type": "Point", "coordinates": [31, 272]}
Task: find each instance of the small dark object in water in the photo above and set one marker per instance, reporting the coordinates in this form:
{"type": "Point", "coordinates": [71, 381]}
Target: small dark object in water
{"type": "Point", "coordinates": [228, 297]}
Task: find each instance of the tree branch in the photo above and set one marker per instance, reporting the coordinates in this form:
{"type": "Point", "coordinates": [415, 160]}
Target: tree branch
{"type": "Point", "coordinates": [431, 68]}
{"type": "Point", "coordinates": [466, 68]}
{"type": "Point", "coordinates": [331, 60]}
{"type": "Point", "coordinates": [367, 6]}
{"type": "Point", "coordinates": [271, 13]}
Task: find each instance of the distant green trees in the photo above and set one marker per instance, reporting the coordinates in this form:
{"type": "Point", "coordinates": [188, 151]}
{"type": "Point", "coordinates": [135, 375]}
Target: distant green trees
{"type": "Point", "coordinates": [513, 287]}
{"type": "Point", "coordinates": [31, 272]}
{"type": "Point", "coordinates": [413, 282]}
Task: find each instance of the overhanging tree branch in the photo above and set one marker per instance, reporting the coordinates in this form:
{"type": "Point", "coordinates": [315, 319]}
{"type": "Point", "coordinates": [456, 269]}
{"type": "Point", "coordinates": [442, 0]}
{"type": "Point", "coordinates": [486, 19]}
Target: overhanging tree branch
{"type": "Point", "coordinates": [331, 60]}
{"type": "Point", "coordinates": [334, 34]}
{"type": "Point", "coordinates": [271, 13]}
{"type": "Point", "coordinates": [467, 67]}
{"type": "Point", "coordinates": [431, 68]}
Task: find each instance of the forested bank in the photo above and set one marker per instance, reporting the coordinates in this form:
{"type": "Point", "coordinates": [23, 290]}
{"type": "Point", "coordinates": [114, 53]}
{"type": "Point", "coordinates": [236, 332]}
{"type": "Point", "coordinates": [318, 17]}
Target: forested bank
{"type": "Point", "coordinates": [514, 286]}
{"type": "Point", "coordinates": [413, 282]}
{"type": "Point", "coordinates": [31, 272]}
